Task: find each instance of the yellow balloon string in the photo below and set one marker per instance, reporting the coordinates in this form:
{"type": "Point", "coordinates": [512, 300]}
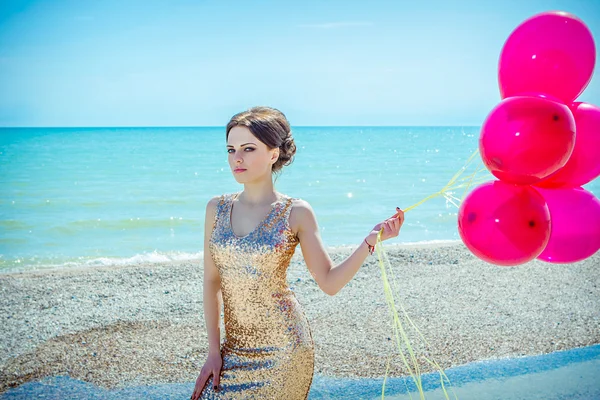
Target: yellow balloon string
{"type": "Point", "coordinates": [410, 357]}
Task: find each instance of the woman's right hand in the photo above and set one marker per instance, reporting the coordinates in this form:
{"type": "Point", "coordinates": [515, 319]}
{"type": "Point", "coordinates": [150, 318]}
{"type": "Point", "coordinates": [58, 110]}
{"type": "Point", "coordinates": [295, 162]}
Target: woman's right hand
{"type": "Point", "coordinates": [391, 228]}
{"type": "Point", "coordinates": [212, 367]}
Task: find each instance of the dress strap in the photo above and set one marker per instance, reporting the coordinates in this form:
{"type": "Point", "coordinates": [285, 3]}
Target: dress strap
{"type": "Point", "coordinates": [223, 207]}
{"type": "Point", "coordinates": [287, 207]}
{"type": "Point", "coordinates": [286, 211]}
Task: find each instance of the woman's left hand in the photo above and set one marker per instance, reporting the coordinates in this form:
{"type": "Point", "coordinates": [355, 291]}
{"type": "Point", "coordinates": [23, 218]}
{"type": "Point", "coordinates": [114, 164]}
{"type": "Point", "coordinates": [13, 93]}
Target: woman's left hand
{"type": "Point", "coordinates": [391, 227]}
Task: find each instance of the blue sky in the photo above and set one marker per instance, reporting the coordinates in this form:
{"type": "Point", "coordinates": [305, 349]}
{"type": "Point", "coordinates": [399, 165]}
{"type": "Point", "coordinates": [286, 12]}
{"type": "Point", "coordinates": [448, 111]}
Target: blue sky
{"type": "Point", "coordinates": [196, 63]}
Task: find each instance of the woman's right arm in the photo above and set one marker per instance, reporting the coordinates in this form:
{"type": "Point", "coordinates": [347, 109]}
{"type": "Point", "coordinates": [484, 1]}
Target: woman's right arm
{"type": "Point", "coordinates": [212, 308]}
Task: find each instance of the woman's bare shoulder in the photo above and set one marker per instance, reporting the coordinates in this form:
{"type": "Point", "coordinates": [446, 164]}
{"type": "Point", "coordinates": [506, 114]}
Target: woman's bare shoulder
{"type": "Point", "coordinates": [300, 205]}
{"type": "Point", "coordinates": [213, 203]}
{"type": "Point", "coordinates": [301, 214]}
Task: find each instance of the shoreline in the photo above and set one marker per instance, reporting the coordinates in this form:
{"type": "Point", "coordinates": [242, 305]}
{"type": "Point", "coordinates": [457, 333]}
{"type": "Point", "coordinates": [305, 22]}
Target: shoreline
{"type": "Point", "coordinates": [117, 326]}
{"type": "Point", "coordinates": [118, 261]}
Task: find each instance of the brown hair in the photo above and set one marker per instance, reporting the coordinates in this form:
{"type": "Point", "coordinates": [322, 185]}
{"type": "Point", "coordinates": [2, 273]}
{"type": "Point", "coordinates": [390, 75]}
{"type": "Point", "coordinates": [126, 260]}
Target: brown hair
{"type": "Point", "coordinates": [271, 127]}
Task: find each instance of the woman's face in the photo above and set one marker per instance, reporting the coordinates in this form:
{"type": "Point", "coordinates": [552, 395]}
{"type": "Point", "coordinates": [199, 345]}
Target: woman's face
{"type": "Point", "coordinates": [249, 158]}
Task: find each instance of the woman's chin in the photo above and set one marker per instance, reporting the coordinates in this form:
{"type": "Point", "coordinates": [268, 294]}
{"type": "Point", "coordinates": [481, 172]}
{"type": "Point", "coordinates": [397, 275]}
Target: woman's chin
{"type": "Point", "coordinates": [239, 178]}
{"type": "Point", "coordinates": [245, 178]}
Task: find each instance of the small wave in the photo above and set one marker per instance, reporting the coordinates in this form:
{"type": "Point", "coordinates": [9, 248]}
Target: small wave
{"type": "Point", "coordinates": [432, 242]}
{"type": "Point", "coordinates": [153, 258]}
{"type": "Point", "coordinates": [425, 243]}
{"type": "Point", "coordinates": [40, 265]}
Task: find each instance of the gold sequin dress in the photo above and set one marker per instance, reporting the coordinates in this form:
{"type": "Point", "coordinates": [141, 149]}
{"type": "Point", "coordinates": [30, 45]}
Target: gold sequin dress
{"type": "Point", "coordinates": [268, 350]}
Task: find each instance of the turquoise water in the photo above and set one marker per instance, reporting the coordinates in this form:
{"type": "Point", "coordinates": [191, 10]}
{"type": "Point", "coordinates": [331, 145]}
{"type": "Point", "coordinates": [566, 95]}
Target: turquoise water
{"type": "Point", "coordinates": [100, 196]}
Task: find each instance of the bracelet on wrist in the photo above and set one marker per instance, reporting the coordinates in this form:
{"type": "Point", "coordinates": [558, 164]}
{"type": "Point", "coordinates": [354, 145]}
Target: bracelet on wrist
{"type": "Point", "coordinates": [371, 248]}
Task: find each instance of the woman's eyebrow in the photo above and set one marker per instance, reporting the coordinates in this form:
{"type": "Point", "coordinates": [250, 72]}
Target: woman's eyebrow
{"type": "Point", "coordinates": [242, 144]}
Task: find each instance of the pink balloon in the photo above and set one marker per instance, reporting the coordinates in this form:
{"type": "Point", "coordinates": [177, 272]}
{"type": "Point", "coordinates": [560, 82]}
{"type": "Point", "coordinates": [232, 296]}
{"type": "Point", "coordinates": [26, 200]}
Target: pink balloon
{"type": "Point", "coordinates": [503, 223]}
{"type": "Point", "coordinates": [552, 52]}
{"type": "Point", "coordinates": [575, 233]}
{"type": "Point", "coordinates": [584, 164]}
{"type": "Point", "coordinates": [524, 139]}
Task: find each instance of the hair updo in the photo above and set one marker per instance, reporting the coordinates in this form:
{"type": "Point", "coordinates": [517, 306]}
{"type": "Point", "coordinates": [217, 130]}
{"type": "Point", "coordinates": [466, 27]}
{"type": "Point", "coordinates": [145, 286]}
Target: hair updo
{"type": "Point", "coordinates": [271, 127]}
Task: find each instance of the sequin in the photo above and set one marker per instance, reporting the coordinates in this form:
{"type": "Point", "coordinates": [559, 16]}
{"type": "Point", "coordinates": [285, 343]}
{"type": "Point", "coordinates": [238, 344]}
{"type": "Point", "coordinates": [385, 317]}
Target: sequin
{"type": "Point", "coordinates": [268, 350]}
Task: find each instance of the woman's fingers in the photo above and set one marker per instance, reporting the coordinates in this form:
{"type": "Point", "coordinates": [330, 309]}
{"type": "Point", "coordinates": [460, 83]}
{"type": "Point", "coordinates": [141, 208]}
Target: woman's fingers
{"type": "Point", "coordinates": [216, 379]}
{"type": "Point", "coordinates": [391, 226]}
{"type": "Point", "coordinates": [394, 227]}
{"type": "Point", "coordinates": [388, 229]}
{"type": "Point", "coordinates": [399, 213]}
{"type": "Point", "coordinates": [399, 217]}
{"type": "Point", "coordinates": [200, 382]}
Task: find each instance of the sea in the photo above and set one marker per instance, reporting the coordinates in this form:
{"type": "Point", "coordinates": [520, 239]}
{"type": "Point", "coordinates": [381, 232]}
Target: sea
{"type": "Point", "coordinates": [87, 197]}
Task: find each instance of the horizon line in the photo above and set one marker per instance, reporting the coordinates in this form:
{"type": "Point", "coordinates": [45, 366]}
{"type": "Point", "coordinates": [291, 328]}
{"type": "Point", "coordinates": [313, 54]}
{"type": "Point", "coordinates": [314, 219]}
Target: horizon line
{"type": "Point", "coordinates": [223, 126]}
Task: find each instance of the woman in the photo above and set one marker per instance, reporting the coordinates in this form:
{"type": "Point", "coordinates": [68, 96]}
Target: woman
{"type": "Point", "coordinates": [249, 239]}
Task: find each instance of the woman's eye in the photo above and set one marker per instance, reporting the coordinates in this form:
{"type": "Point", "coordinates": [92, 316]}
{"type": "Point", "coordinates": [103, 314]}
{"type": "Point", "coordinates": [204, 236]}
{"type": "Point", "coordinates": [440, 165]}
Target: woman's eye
{"type": "Point", "coordinates": [247, 148]}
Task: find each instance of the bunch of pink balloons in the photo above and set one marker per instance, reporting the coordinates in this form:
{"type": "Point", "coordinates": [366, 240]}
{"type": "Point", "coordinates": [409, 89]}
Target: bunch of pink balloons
{"type": "Point", "coordinates": [542, 146]}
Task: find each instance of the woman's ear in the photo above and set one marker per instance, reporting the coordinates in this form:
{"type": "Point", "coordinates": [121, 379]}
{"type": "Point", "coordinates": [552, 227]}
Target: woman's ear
{"type": "Point", "coordinates": [275, 156]}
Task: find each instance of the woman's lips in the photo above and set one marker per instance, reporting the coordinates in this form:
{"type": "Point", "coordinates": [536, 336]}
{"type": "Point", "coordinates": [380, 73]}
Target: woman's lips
{"type": "Point", "coordinates": [238, 170]}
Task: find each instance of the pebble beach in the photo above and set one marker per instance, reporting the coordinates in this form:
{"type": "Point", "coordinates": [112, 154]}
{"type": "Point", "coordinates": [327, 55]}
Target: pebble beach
{"type": "Point", "coordinates": [119, 326]}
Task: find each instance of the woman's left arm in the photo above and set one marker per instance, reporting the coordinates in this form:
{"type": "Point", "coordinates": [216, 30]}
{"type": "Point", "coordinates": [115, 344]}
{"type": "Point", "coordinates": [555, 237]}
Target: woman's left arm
{"type": "Point", "coordinates": [332, 278]}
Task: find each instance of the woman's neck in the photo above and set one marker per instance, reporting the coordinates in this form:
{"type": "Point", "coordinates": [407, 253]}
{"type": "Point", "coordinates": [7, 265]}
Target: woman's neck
{"type": "Point", "coordinates": [258, 194]}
